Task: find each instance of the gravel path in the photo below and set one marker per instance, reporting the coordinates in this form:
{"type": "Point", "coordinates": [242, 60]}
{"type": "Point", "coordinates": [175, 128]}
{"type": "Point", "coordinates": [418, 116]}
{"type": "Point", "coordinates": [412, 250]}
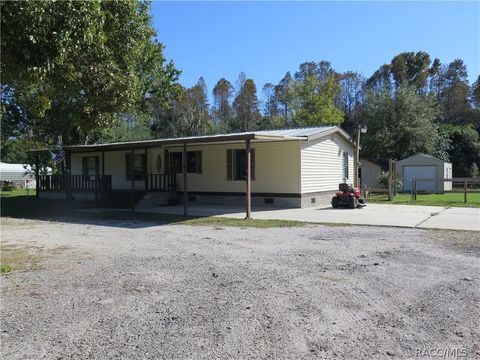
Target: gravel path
{"type": "Point", "coordinates": [142, 291]}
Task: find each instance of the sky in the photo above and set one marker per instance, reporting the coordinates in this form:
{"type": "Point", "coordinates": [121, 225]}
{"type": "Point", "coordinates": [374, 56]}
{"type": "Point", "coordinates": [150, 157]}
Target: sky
{"type": "Point", "coordinates": [267, 39]}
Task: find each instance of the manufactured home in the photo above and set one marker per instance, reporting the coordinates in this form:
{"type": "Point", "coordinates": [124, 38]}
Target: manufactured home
{"type": "Point", "coordinates": [285, 168]}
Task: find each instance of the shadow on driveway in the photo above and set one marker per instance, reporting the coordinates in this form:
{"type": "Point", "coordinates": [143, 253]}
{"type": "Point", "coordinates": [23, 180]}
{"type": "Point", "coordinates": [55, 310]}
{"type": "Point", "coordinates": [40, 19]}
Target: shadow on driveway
{"type": "Point", "coordinates": [29, 207]}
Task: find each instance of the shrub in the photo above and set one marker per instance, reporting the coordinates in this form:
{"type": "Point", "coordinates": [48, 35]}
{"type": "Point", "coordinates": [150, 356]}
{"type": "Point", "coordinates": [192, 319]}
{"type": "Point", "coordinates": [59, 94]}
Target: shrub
{"type": "Point", "coordinates": [7, 186]}
{"type": "Point", "coordinates": [383, 181]}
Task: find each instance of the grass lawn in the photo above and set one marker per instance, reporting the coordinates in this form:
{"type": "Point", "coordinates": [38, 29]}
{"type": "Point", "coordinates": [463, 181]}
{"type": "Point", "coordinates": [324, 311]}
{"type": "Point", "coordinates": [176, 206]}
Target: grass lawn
{"type": "Point", "coordinates": [450, 199]}
{"type": "Point", "coordinates": [17, 192]}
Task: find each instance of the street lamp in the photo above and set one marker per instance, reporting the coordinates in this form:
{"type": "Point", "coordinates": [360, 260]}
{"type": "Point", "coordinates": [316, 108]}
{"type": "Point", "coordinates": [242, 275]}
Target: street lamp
{"type": "Point", "coordinates": [362, 129]}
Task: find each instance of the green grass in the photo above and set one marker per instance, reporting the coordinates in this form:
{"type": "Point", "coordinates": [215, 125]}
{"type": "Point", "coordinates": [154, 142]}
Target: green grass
{"type": "Point", "coordinates": [450, 199]}
{"type": "Point", "coordinates": [255, 223]}
{"type": "Point", "coordinates": [5, 269]}
{"type": "Point", "coordinates": [17, 192]}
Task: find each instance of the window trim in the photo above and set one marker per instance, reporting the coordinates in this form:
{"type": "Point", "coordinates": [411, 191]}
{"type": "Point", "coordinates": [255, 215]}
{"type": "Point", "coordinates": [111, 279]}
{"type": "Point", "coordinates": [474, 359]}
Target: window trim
{"type": "Point", "coordinates": [197, 154]}
{"type": "Point", "coordinates": [346, 165]}
{"type": "Point", "coordinates": [231, 164]}
{"type": "Point", "coordinates": [85, 168]}
{"type": "Point", "coordinates": [138, 175]}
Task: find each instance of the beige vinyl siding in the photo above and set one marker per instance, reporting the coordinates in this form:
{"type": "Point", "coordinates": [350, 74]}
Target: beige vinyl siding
{"type": "Point", "coordinates": [277, 167]}
{"type": "Point", "coordinates": [114, 165]}
{"type": "Point", "coordinates": [322, 164]}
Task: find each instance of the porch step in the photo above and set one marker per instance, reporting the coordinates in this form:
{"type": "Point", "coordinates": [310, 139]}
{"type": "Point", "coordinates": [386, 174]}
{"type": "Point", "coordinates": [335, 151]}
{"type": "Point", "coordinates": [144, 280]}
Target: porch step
{"type": "Point", "coordinates": [160, 198]}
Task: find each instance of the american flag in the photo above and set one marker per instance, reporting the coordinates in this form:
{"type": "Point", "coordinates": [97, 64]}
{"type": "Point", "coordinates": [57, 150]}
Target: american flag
{"type": "Point", "coordinates": [59, 157]}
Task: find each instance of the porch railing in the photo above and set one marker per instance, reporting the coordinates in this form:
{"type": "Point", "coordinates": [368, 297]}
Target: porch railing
{"type": "Point", "coordinates": [89, 183]}
{"type": "Point", "coordinates": [162, 182]}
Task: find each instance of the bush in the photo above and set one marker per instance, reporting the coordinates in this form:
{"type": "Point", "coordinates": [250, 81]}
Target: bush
{"type": "Point", "coordinates": [8, 186]}
{"type": "Point", "coordinates": [383, 182]}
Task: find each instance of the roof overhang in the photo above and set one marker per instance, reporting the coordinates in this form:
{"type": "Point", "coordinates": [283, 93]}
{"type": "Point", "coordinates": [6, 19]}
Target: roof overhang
{"type": "Point", "coordinates": [342, 133]}
{"type": "Point", "coordinates": [198, 140]}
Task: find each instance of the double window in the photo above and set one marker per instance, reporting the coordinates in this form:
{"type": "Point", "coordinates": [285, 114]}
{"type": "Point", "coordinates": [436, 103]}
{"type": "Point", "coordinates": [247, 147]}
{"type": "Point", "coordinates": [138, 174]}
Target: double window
{"type": "Point", "coordinates": [174, 162]}
{"type": "Point", "coordinates": [139, 167]}
{"type": "Point", "coordinates": [237, 164]}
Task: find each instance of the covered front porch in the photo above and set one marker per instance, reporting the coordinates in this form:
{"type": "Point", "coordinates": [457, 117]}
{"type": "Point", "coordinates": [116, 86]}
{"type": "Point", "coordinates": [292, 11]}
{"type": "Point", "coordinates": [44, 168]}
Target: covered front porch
{"type": "Point", "coordinates": [97, 174]}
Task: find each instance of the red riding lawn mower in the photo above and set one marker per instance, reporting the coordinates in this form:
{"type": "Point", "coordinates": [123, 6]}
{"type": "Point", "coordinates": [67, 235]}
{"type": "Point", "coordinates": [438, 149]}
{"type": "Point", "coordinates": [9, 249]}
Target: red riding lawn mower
{"type": "Point", "coordinates": [348, 197]}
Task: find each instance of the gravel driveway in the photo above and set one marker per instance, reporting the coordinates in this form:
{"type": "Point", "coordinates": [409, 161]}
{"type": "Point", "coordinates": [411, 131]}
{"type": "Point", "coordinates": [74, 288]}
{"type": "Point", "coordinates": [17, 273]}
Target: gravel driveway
{"type": "Point", "coordinates": [136, 290]}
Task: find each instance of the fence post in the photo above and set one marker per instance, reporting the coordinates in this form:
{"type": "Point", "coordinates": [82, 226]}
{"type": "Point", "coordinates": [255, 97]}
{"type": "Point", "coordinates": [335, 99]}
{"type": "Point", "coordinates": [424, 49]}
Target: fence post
{"type": "Point", "coordinates": [96, 190]}
{"type": "Point", "coordinates": [390, 180]}
{"type": "Point", "coordinates": [465, 191]}
{"type": "Point", "coordinates": [414, 189]}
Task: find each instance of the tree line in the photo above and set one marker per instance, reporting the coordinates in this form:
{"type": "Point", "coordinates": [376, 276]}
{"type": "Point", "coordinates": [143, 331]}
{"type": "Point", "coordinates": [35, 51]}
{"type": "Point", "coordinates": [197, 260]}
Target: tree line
{"type": "Point", "coordinates": [93, 72]}
{"type": "Point", "coordinates": [412, 105]}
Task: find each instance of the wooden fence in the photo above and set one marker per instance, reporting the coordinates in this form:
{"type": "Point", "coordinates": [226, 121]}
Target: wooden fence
{"type": "Point", "coordinates": [466, 185]}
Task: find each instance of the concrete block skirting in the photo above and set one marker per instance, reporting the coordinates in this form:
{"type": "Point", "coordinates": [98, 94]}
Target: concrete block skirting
{"type": "Point", "coordinates": [262, 200]}
{"type": "Point", "coordinates": [318, 198]}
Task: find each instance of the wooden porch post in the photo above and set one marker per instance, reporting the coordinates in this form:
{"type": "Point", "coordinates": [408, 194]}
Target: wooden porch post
{"type": "Point", "coordinates": [184, 170]}
{"type": "Point", "coordinates": [103, 163]}
{"type": "Point", "coordinates": [146, 170]}
{"type": "Point", "coordinates": [68, 173]}
{"type": "Point", "coordinates": [132, 177]}
{"type": "Point", "coordinates": [37, 177]}
{"type": "Point", "coordinates": [248, 195]}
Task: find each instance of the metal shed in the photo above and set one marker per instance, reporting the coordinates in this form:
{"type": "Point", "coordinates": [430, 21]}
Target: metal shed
{"type": "Point", "coordinates": [429, 173]}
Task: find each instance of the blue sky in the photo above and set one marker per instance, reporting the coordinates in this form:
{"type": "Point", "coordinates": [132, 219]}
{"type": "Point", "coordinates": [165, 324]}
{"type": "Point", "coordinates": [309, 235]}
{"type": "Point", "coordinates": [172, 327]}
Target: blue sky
{"type": "Point", "coordinates": [267, 39]}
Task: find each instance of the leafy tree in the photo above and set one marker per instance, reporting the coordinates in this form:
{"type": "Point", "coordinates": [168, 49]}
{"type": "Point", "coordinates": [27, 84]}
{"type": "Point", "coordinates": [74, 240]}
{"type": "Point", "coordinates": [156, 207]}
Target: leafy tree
{"type": "Point", "coordinates": [455, 93]}
{"type": "Point", "coordinates": [188, 115]}
{"type": "Point", "coordinates": [222, 109]}
{"type": "Point", "coordinates": [270, 107]}
{"type": "Point", "coordinates": [475, 93]}
{"type": "Point", "coordinates": [284, 97]}
{"type": "Point", "coordinates": [400, 125]}
{"type": "Point", "coordinates": [465, 149]}
{"type": "Point", "coordinates": [122, 129]}
{"type": "Point", "coordinates": [270, 122]}
{"type": "Point", "coordinates": [409, 68]}
{"type": "Point", "coordinates": [351, 97]}
{"type": "Point", "coordinates": [245, 106]}
{"type": "Point", "coordinates": [73, 66]}
{"type": "Point", "coordinates": [474, 171]}
{"type": "Point", "coordinates": [314, 102]}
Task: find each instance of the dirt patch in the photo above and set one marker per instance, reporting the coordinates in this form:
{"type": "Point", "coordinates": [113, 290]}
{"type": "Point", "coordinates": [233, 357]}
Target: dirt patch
{"type": "Point", "coordinates": [26, 257]}
{"type": "Point", "coordinates": [147, 291]}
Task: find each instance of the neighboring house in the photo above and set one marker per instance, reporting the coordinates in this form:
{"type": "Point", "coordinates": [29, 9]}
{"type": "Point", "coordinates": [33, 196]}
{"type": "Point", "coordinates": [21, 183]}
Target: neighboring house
{"type": "Point", "coordinates": [428, 172]}
{"type": "Point", "coordinates": [20, 175]}
{"type": "Point", "coordinates": [289, 168]}
{"type": "Point", "coordinates": [369, 174]}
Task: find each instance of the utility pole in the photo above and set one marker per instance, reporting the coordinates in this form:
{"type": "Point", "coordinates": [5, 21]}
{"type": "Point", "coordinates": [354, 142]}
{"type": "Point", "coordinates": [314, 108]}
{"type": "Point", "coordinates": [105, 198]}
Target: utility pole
{"type": "Point", "coordinates": [362, 129]}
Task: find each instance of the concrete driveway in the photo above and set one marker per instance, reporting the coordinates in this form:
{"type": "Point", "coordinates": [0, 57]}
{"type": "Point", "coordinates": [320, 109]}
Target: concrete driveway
{"type": "Point", "coordinates": [429, 217]}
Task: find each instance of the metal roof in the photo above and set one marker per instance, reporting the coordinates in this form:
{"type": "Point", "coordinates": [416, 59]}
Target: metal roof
{"type": "Point", "coordinates": [305, 134]}
{"type": "Point", "coordinates": [300, 132]}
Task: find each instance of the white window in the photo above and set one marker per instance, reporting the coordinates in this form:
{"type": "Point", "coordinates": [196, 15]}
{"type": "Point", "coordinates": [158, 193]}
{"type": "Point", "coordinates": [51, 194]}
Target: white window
{"type": "Point", "coordinates": [345, 165]}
